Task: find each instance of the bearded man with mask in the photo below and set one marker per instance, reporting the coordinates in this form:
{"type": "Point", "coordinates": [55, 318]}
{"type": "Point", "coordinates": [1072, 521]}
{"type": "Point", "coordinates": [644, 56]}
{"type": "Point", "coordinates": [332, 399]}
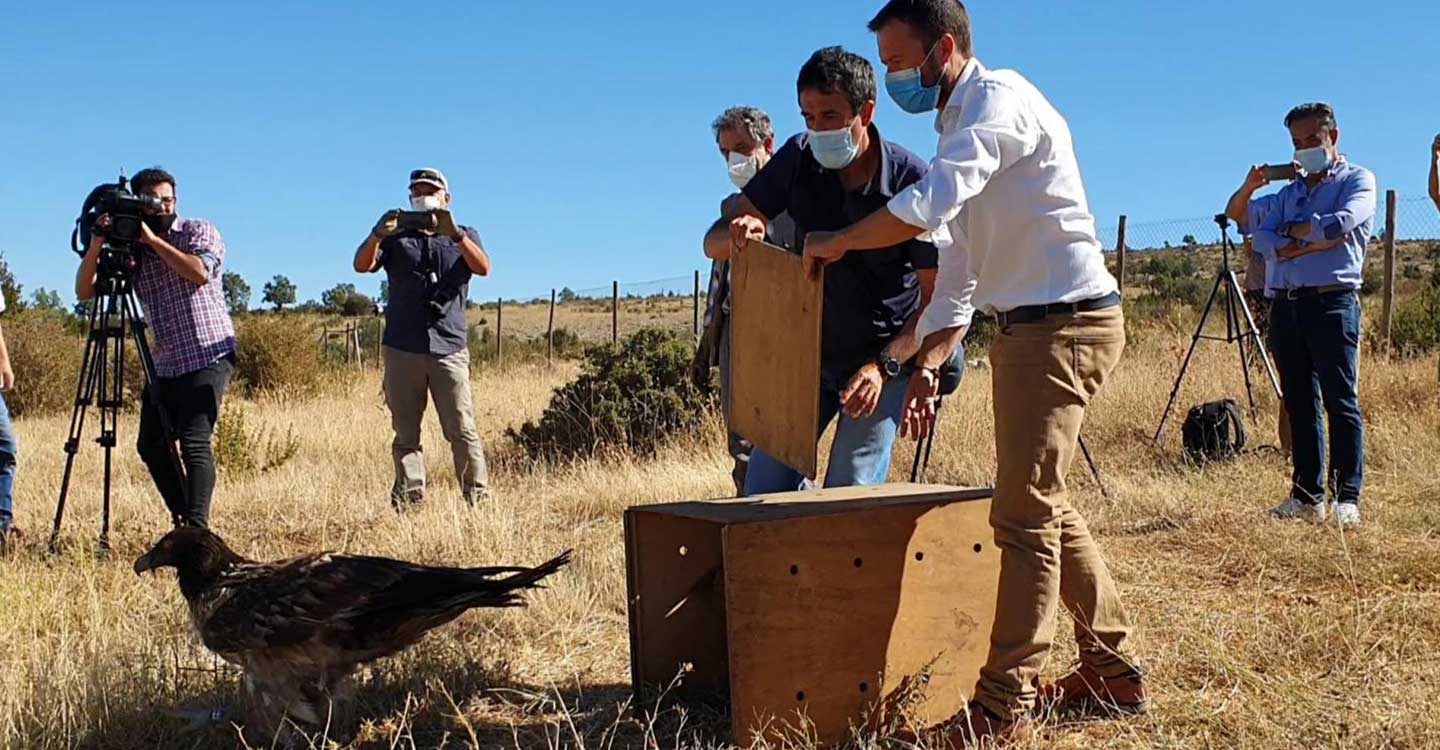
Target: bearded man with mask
{"type": "Point", "coordinates": [178, 283]}
{"type": "Point", "coordinates": [836, 172]}
{"type": "Point", "coordinates": [746, 141]}
{"type": "Point", "coordinates": [1315, 237]}
{"type": "Point", "coordinates": [424, 345]}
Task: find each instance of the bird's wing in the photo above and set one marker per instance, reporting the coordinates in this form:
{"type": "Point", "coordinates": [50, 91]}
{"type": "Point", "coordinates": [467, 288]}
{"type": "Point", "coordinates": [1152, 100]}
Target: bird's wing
{"type": "Point", "coordinates": [290, 603]}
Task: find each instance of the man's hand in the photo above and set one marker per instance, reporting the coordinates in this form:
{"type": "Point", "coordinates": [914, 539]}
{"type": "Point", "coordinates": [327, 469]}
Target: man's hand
{"type": "Point", "coordinates": [1256, 179]}
{"type": "Point", "coordinates": [743, 229]}
{"type": "Point", "coordinates": [822, 248]}
{"type": "Point", "coordinates": [862, 395]}
{"type": "Point", "coordinates": [148, 236]}
{"type": "Point", "coordinates": [1298, 231]}
{"type": "Point", "coordinates": [388, 224]}
{"type": "Point", "coordinates": [7, 377]}
{"type": "Point", "coordinates": [918, 419]}
{"type": "Point", "coordinates": [1291, 252]}
{"type": "Point", "coordinates": [445, 224]}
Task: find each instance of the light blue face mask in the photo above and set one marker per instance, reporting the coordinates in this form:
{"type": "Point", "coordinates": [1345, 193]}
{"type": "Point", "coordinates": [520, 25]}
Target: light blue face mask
{"type": "Point", "coordinates": [834, 149]}
{"type": "Point", "coordinates": [1313, 160]}
{"type": "Point", "coordinates": [908, 90]}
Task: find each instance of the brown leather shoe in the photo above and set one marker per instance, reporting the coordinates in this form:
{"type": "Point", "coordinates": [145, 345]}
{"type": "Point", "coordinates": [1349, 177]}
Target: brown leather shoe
{"type": "Point", "coordinates": [976, 727]}
{"type": "Point", "coordinates": [1085, 690]}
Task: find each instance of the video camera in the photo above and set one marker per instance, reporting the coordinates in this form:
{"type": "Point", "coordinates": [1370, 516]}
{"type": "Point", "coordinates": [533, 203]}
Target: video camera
{"type": "Point", "coordinates": [126, 211]}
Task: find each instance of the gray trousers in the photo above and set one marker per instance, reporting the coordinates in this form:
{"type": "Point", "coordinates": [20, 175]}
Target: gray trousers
{"type": "Point", "coordinates": [410, 379]}
{"type": "Point", "coordinates": [739, 447]}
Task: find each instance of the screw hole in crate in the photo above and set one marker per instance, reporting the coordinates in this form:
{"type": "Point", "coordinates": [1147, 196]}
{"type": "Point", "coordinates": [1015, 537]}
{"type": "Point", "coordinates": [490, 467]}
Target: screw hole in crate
{"type": "Point", "coordinates": [794, 570]}
{"type": "Point", "coordinates": [684, 550]}
{"type": "Point", "coordinates": [859, 562]}
{"type": "Point", "coordinates": [800, 696]}
{"type": "Point", "coordinates": [919, 556]}
{"type": "Point", "coordinates": [978, 547]}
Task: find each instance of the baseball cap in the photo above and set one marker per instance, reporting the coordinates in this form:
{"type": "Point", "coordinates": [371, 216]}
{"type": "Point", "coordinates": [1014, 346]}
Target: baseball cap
{"type": "Point", "coordinates": [429, 176]}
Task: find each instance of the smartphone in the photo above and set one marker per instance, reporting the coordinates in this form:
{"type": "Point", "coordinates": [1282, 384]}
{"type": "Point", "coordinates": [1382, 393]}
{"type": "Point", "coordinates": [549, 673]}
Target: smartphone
{"type": "Point", "coordinates": [1280, 172]}
{"type": "Point", "coordinates": [417, 220]}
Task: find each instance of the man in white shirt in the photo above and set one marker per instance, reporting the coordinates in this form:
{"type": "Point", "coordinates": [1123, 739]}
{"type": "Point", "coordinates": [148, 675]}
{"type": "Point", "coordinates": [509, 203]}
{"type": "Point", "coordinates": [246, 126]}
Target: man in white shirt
{"type": "Point", "coordinates": [1006, 187]}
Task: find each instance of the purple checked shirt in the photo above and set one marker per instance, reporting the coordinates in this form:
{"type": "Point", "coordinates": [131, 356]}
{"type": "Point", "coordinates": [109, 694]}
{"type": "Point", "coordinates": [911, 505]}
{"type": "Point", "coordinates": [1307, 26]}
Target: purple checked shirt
{"type": "Point", "coordinates": [190, 323]}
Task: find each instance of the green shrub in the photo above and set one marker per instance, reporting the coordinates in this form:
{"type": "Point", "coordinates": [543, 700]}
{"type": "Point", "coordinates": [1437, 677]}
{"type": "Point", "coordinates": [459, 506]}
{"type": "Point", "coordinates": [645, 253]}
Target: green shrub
{"type": "Point", "coordinates": [245, 451]}
{"type": "Point", "coordinates": [277, 354]}
{"type": "Point", "coordinates": [632, 397]}
{"type": "Point", "coordinates": [1415, 328]}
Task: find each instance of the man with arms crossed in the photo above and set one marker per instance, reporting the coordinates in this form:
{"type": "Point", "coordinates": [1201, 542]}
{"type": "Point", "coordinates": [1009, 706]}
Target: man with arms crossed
{"type": "Point", "coordinates": [835, 173]}
{"type": "Point", "coordinates": [1315, 236]}
{"type": "Point", "coordinates": [1006, 185]}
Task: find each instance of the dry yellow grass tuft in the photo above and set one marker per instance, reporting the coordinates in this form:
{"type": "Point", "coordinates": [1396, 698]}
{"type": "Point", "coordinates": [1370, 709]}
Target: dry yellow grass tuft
{"type": "Point", "coordinates": [1258, 634]}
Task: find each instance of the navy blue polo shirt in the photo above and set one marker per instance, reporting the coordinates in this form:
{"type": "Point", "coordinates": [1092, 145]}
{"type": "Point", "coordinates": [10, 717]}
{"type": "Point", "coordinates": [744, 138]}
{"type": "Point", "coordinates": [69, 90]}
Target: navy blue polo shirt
{"type": "Point", "coordinates": [421, 268]}
{"type": "Point", "coordinates": [868, 295]}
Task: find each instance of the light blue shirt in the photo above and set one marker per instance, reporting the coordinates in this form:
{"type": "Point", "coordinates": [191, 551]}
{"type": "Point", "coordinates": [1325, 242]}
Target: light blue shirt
{"type": "Point", "coordinates": [1341, 206]}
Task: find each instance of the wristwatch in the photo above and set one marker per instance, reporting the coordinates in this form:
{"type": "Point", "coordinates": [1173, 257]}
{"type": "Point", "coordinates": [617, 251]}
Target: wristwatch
{"type": "Point", "coordinates": [889, 366]}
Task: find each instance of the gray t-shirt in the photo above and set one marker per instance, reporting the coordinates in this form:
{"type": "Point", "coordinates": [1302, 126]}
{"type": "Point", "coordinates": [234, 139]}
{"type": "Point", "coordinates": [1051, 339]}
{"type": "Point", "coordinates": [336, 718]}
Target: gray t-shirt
{"type": "Point", "coordinates": [429, 286]}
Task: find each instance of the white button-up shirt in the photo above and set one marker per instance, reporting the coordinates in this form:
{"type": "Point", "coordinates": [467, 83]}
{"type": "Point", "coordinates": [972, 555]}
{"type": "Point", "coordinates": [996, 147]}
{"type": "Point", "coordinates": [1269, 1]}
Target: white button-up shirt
{"type": "Point", "coordinates": [1005, 187]}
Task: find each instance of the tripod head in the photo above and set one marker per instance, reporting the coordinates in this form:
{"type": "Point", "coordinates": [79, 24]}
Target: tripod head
{"type": "Point", "coordinates": [1223, 222]}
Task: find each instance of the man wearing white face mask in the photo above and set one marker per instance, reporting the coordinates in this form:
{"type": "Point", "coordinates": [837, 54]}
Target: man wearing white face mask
{"type": "Point", "coordinates": [1315, 238]}
{"type": "Point", "coordinates": [424, 344]}
{"type": "Point", "coordinates": [836, 172]}
{"type": "Point", "coordinates": [746, 141]}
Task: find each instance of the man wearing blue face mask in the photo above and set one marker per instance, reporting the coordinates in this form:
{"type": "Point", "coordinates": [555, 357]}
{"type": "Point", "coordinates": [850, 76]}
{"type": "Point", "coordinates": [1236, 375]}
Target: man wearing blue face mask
{"type": "Point", "coordinates": [839, 170]}
{"type": "Point", "coordinates": [1315, 238]}
{"type": "Point", "coordinates": [1006, 188]}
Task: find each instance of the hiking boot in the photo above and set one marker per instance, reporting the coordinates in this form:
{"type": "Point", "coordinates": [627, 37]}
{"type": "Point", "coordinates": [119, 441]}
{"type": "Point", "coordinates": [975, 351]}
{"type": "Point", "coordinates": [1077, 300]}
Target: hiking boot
{"type": "Point", "coordinates": [1085, 690]}
{"type": "Point", "coordinates": [976, 727]}
{"type": "Point", "coordinates": [1293, 508]}
{"type": "Point", "coordinates": [403, 501]}
{"type": "Point", "coordinates": [476, 496]}
{"type": "Point", "coordinates": [1347, 515]}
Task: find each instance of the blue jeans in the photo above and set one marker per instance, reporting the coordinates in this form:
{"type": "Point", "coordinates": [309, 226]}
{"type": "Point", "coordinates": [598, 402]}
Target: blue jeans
{"type": "Point", "coordinates": [861, 453]}
{"type": "Point", "coordinates": [1316, 343]}
{"type": "Point", "coordinates": [7, 467]}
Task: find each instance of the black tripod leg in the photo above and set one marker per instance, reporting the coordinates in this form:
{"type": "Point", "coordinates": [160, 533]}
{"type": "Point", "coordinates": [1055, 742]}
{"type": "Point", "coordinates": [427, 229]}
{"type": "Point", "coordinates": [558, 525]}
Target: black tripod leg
{"type": "Point", "coordinates": [1094, 470]}
{"type": "Point", "coordinates": [1194, 342]}
{"type": "Point", "coordinates": [84, 396]}
{"type": "Point", "coordinates": [923, 446]}
{"type": "Point", "coordinates": [1235, 298]}
{"type": "Point", "coordinates": [147, 371]}
{"type": "Point", "coordinates": [1260, 347]}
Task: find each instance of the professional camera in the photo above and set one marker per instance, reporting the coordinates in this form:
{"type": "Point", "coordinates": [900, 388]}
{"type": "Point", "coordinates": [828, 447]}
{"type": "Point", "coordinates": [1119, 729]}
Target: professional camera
{"type": "Point", "coordinates": [126, 211]}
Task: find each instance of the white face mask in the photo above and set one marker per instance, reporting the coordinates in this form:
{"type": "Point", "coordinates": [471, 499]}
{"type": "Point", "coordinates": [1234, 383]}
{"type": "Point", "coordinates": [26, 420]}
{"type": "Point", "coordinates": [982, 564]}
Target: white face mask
{"type": "Point", "coordinates": [742, 168]}
{"type": "Point", "coordinates": [432, 202]}
{"type": "Point", "coordinates": [1313, 160]}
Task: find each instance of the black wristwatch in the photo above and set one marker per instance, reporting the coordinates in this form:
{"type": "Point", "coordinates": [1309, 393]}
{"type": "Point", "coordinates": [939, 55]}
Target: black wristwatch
{"type": "Point", "coordinates": [889, 366]}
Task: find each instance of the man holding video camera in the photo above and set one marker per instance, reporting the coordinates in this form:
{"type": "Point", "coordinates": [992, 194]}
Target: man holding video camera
{"type": "Point", "coordinates": [1315, 237]}
{"type": "Point", "coordinates": [429, 260]}
{"type": "Point", "coordinates": [178, 282]}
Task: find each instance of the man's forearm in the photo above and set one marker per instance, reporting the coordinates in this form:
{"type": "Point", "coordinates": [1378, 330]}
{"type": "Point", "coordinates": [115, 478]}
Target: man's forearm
{"type": "Point", "coordinates": [190, 267]}
{"type": "Point", "coordinates": [1238, 206]}
{"type": "Point", "coordinates": [367, 256]}
{"type": "Point", "coordinates": [475, 256]}
{"type": "Point", "coordinates": [938, 347]}
{"type": "Point", "coordinates": [717, 240]}
{"type": "Point", "coordinates": [878, 230]}
{"type": "Point", "coordinates": [85, 275]}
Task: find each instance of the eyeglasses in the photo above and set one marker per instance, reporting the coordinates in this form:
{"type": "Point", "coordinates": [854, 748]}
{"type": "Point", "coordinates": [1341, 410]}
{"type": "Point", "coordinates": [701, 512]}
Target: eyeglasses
{"type": "Point", "coordinates": [163, 201]}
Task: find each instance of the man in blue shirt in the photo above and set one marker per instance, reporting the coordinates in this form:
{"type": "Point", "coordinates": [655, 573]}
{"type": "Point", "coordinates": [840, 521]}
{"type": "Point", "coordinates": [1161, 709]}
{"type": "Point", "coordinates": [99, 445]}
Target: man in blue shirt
{"type": "Point", "coordinates": [1314, 240]}
{"type": "Point", "coordinates": [837, 172]}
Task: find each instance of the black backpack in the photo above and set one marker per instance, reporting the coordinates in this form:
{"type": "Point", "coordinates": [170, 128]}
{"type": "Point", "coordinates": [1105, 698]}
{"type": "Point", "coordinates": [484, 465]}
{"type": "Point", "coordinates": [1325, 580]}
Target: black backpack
{"type": "Point", "coordinates": [1213, 431]}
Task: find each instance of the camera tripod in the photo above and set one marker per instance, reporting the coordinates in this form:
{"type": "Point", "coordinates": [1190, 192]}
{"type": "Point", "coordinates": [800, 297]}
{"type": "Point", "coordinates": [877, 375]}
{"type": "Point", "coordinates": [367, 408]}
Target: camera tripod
{"type": "Point", "coordinates": [1236, 310]}
{"type": "Point", "coordinates": [114, 316]}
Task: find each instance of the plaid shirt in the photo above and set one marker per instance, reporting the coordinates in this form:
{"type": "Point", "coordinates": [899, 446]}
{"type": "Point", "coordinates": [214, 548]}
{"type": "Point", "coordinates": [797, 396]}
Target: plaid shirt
{"type": "Point", "coordinates": [191, 323]}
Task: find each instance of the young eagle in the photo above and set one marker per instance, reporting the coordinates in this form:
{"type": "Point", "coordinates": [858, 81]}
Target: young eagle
{"type": "Point", "coordinates": [300, 627]}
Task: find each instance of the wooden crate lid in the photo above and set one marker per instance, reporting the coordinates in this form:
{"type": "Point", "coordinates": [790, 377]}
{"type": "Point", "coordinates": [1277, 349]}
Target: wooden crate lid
{"type": "Point", "coordinates": [815, 502]}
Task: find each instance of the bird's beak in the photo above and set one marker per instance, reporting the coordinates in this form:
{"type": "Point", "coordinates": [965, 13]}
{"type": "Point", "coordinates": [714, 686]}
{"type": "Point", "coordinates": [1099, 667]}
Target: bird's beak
{"type": "Point", "coordinates": [143, 563]}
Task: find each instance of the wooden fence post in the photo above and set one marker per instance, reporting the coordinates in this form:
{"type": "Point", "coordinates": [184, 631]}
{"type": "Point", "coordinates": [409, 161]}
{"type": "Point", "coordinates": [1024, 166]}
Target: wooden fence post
{"type": "Point", "coordinates": [614, 312]}
{"type": "Point", "coordinates": [695, 309]}
{"type": "Point", "coordinates": [550, 331]}
{"type": "Point", "coordinates": [499, 311]}
{"type": "Point", "coordinates": [1391, 201]}
{"type": "Point", "coordinates": [1120, 255]}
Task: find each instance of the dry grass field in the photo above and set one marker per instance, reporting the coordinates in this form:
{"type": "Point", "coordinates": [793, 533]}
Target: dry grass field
{"type": "Point", "coordinates": [1258, 634]}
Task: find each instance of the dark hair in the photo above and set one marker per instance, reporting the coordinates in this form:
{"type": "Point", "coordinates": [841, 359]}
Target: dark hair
{"type": "Point", "coordinates": [834, 71]}
{"type": "Point", "coordinates": [931, 19]}
{"type": "Point", "coordinates": [148, 178]}
{"type": "Point", "coordinates": [1320, 110]}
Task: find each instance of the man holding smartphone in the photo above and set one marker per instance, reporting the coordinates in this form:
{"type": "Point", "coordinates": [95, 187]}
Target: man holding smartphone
{"type": "Point", "coordinates": [429, 260]}
{"type": "Point", "coordinates": [1315, 236]}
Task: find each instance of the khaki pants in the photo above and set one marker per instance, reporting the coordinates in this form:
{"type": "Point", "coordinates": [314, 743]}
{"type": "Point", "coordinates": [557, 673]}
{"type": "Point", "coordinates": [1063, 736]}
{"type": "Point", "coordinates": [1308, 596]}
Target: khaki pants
{"type": "Point", "coordinates": [409, 380]}
{"type": "Point", "coordinates": [1045, 374]}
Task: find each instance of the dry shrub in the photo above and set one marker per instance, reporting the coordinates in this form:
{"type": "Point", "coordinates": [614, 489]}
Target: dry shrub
{"type": "Point", "coordinates": [277, 354]}
{"type": "Point", "coordinates": [45, 353]}
{"type": "Point", "coordinates": [243, 450]}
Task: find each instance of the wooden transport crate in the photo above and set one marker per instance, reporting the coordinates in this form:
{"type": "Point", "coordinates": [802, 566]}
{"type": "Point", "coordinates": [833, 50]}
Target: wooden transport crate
{"type": "Point", "coordinates": [814, 611]}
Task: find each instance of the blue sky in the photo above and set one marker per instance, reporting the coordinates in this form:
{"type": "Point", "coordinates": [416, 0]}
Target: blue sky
{"type": "Point", "coordinates": [576, 135]}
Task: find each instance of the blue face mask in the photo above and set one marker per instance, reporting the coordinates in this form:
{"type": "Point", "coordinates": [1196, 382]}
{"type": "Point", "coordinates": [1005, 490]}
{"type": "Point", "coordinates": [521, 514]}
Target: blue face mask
{"type": "Point", "coordinates": [908, 90]}
{"type": "Point", "coordinates": [1313, 160]}
{"type": "Point", "coordinates": [834, 149]}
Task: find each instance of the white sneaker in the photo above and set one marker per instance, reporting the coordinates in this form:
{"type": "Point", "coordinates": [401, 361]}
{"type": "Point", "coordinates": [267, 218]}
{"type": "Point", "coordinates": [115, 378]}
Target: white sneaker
{"type": "Point", "coordinates": [1347, 515]}
{"type": "Point", "coordinates": [1294, 509]}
